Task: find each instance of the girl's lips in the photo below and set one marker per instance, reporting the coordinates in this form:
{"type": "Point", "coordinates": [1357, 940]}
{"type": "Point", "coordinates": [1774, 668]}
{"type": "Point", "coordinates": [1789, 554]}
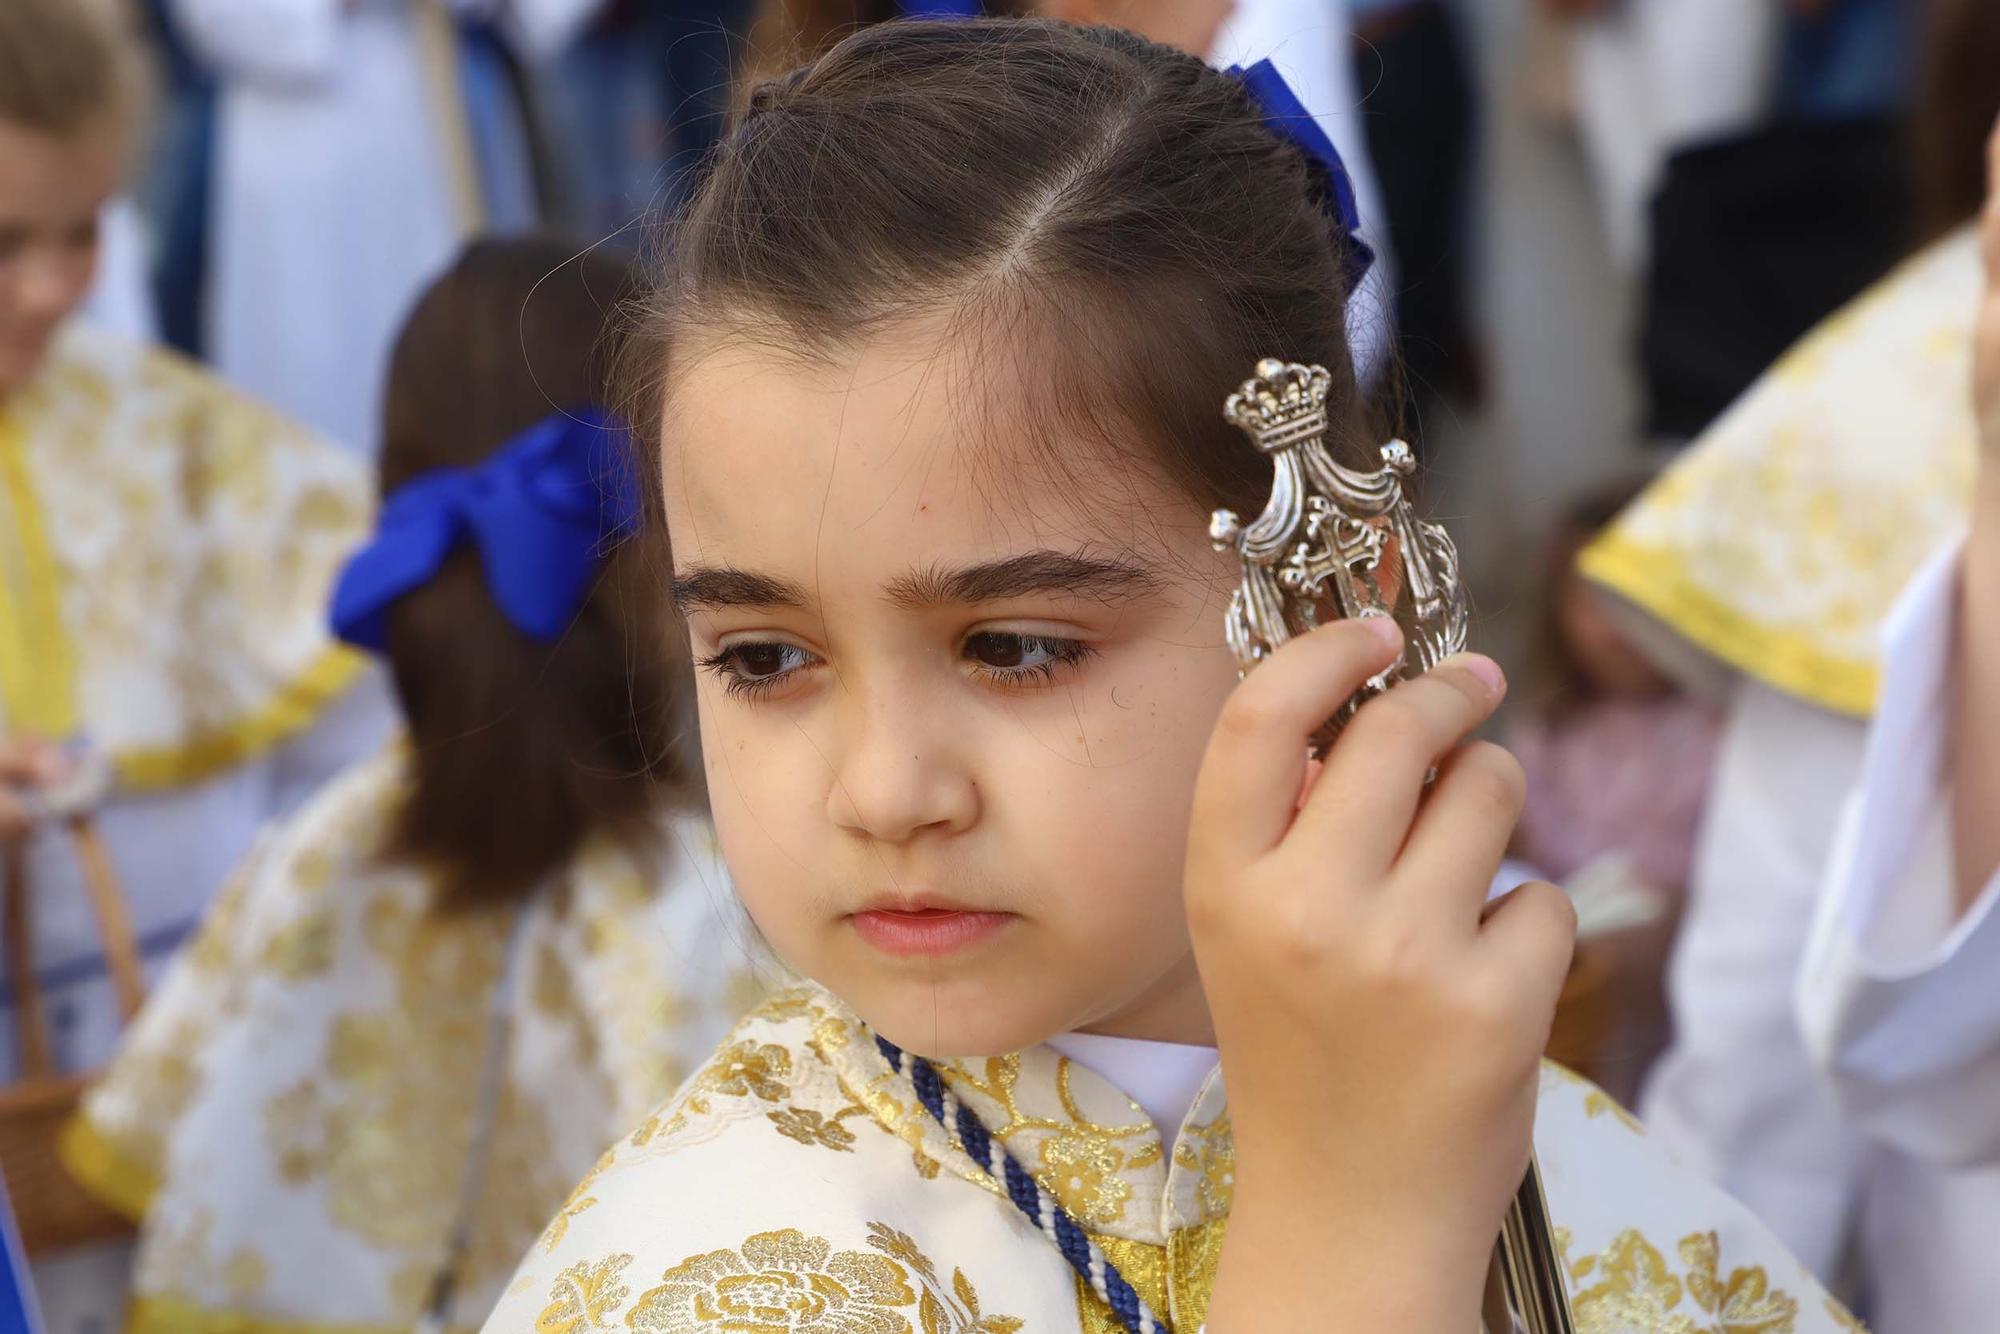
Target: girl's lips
{"type": "Point", "coordinates": [927, 931]}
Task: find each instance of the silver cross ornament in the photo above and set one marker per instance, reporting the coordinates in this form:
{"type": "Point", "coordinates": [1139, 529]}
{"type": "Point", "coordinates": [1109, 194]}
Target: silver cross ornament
{"type": "Point", "coordinates": [1319, 548]}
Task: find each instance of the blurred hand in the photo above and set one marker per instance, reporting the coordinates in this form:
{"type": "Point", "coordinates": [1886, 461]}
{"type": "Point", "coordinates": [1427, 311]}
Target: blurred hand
{"type": "Point", "coordinates": [1381, 1030]}
{"type": "Point", "coordinates": [26, 764]}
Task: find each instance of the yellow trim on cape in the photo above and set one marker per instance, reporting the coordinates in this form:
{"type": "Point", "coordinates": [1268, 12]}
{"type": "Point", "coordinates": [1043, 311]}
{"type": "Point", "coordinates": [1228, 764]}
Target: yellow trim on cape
{"type": "Point", "coordinates": [172, 1315]}
{"type": "Point", "coordinates": [37, 660]}
{"type": "Point", "coordinates": [292, 710]}
{"type": "Point", "coordinates": [1652, 579]}
{"type": "Point", "coordinates": [115, 1177]}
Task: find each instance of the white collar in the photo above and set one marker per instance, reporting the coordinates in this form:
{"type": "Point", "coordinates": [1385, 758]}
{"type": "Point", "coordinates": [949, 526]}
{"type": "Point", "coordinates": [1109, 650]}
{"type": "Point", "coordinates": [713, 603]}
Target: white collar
{"type": "Point", "coordinates": [1162, 1077]}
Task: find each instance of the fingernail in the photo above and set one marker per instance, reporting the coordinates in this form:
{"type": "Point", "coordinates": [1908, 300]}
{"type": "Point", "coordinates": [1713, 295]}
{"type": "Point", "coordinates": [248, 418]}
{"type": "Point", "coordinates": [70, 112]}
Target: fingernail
{"type": "Point", "coordinates": [1384, 629]}
{"type": "Point", "coordinates": [1487, 670]}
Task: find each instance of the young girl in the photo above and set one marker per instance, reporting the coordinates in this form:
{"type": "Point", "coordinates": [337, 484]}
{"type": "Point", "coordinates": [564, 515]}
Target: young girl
{"type": "Point", "coordinates": [946, 334]}
{"type": "Point", "coordinates": [166, 548]}
{"type": "Point", "coordinates": [430, 997]}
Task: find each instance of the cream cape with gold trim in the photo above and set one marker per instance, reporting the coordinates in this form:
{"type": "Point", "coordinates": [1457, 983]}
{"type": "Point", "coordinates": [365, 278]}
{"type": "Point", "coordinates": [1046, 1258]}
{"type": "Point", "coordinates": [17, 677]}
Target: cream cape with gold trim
{"type": "Point", "coordinates": [1780, 539]}
{"type": "Point", "coordinates": [794, 1186]}
{"type": "Point", "coordinates": [292, 1111]}
{"type": "Point", "coordinates": [165, 562]}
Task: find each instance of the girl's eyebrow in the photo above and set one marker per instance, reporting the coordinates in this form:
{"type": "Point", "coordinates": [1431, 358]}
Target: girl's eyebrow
{"type": "Point", "coordinates": [714, 588]}
{"type": "Point", "coordinates": [1031, 572]}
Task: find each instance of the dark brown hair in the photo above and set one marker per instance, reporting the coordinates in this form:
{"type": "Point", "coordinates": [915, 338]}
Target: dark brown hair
{"type": "Point", "coordinates": [1958, 100]}
{"type": "Point", "coordinates": [66, 65]}
{"type": "Point", "coordinates": [1114, 203]}
{"type": "Point", "coordinates": [521, 750]}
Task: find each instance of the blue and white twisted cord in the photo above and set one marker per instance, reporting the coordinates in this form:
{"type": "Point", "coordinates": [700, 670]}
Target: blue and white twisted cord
{"type": "Point", "coordinates": [1040, 1207]}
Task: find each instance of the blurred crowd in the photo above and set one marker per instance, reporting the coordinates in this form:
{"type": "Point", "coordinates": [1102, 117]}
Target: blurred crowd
{"type": "Point", "coordinates": [264, 262]}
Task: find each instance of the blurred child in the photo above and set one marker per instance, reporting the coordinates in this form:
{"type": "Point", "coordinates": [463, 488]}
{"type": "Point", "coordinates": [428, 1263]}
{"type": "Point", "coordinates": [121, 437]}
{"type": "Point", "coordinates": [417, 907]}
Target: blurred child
{"type": "Point", "coordinates": [165, 547]}
{"type": "Point", "coordinates": [430, 997]}
{"type": "Point", "coordinates": [1618, 758]}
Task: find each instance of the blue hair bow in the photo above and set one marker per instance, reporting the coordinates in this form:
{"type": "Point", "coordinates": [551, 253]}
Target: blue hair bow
{"type": "Point", "coordinates": [941, 9]}
{"type": "Point", "coordinates": [1287, 118]}
{"type": "Point", "coordinates": [544, 511]}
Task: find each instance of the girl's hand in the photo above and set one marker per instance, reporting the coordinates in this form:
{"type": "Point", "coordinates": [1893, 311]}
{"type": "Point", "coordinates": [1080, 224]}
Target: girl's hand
{"type": "Point", "coordinates": [1380, 1028]}
{"type": "Point", "coordinates": [26, 764]}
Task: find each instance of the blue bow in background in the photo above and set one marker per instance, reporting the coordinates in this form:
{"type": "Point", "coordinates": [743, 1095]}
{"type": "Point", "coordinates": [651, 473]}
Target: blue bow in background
{"type": "Point", "coordinates": [544, 512]}
{"type": "Point", "coordinates": [1287, 118]}
{"type": "Point", "coordinates": [940, 9]}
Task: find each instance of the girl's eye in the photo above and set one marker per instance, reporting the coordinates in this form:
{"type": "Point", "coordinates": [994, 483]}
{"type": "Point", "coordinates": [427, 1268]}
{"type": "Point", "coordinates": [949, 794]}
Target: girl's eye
{"type": "Point", "coordinates": [753, 669]}
{"type": "Point", "coordinates": [1018, 658]}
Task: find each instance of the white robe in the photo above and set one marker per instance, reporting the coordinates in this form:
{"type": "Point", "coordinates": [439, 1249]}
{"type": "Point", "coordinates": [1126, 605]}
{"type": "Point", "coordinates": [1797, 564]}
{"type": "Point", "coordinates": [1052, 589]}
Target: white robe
{"type": "Point", "coordinates": [333, 204]}
{"type": "Point", "coordinates": [795, 1183]}
{"type": "Point", "coordinates": [1899, 997]}
{"type": "Point", "coordinates": [334, 198]}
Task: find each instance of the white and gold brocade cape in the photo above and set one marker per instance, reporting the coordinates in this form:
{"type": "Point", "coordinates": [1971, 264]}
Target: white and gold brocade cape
{"type": "Point", "coordinates": [167, 549]}
{"type": "Point", "coordinates": [795, 1186]}
{"type": "Point", "coordinates": [1778, 542]}
{"type": "Point", "coordinates": [293, 1110]}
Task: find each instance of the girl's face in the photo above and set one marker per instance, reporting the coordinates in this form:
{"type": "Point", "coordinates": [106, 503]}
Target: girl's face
{"type": "Point", "coordinates": [952, 705]}
{"type": "Point", "coordinates": [51, 190]}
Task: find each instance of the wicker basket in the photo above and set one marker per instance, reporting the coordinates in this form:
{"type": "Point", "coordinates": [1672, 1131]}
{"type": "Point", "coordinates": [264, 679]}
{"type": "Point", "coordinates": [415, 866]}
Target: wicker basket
{"type": "Point", "coordinates": [53, 1210]}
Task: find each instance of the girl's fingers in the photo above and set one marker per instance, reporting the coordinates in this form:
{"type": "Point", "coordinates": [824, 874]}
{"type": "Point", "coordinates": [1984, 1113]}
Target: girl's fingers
{"type": "Point", "coordinates": [1529, 936]}
{"type": "Point", "coordinates": [1461, 834]}
{"type": "Point", "coordinates": [1256, 761]}
{"type": "Point", "coordinates": [1375, 773]}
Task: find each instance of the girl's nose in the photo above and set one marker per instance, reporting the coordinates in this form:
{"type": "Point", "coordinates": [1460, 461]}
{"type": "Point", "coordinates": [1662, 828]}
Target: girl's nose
{"type": "Point", "coordinates": [897, 776]}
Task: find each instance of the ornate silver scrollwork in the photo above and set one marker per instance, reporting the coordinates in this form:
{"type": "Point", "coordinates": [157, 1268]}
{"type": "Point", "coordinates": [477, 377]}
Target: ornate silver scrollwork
{"type": "Point", "coordinates": [1324, 534]}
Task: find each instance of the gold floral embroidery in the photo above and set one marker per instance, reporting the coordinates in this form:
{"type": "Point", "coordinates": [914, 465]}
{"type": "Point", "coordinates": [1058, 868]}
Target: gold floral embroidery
{"type": "Point", "coordinates": [1844, 1317]}
{"type": "Point", "coordinates": [786, 1282]}
{"type": "Point", "coordinates": [939, 1311]}
{"type": "Point", "coordinates": [585, 1297]}
{"type": "Point", "coordinates": [302, 948]}
{"type": "Point", "coordinates": [746, 1068]}
{"type": "Point", "coordinates": [579, 1200]}
{"type": "Point", "coordinates": [180, 1255]}
{"type": "Point", "coordinates": [1636, 1289]}
{"type": "Point", "coordinates": [776, 1283]}
{"type": "Point", "coordinates": [1777, 542]}
{"type": "Point", "coordinates": [745, 1071]}
{"type": "Point", "coordinates": [810, 1127]}
{"type": "Point", "coordinates": [1744, 1303]}
{"type": "Point", "coordinates": [1596, 1102]}
{"type": "Point", "coordinates": [348, 1124]}
{"type": "Point", "coordinates": [1210, 1152]}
